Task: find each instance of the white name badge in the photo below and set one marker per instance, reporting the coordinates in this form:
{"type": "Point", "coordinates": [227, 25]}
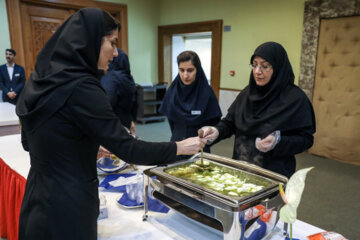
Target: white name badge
{"type": "Point", "coordinates": [17, 74]}
{"type": "Point", "coordinates": [195, 112]}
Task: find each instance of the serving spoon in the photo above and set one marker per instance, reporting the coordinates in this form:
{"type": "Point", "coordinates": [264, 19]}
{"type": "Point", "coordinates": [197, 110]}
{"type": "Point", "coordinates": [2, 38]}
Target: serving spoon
{"type": "Point", "coordinates": [201, 135]}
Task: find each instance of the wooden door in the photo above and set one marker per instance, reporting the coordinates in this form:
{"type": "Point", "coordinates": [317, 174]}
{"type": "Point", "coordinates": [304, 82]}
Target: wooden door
{"type": "Point", "coordinates": [164, 48]}
{"type": "Point", "coordinates": [336, 96]}
{"type": "Point", "coordinates": [39, 24]}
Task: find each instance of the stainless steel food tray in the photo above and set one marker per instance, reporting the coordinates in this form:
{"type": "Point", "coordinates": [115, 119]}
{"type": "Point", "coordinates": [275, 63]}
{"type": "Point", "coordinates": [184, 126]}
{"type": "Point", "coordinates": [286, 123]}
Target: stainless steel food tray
{"type": "Point", "coordinates": [210, 207]}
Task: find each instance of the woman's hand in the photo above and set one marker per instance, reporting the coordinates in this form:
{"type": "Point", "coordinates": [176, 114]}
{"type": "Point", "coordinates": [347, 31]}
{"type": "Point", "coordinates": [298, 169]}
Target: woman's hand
{"type": "Point", "coordinates": [209, 133]}
{"type": "Point", "coordinates": [132, 128]}
{"type": "Point", "coordinates": [268, 143]}
{"type": "Point", "coordinates": [190, 146]}
{"type": "Point", "coordinates": [103, 152]}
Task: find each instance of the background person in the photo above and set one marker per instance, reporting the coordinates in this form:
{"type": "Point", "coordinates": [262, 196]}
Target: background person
{"type": "Point", "coordinates": [190, 102]}
{"type": "Point", "coordinates": [65, 116]}
{"type": "Point", "coordinates": [121, 90]}
{"type": "Point", "coordinates": [12, 78]}
{"type": "Point", "coordinates": [272, 118]}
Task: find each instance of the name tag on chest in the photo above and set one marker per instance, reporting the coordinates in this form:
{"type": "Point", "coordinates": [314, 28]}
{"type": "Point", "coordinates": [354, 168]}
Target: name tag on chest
{"type": "Point", "coordinates": [17, 74]}
{"type": "Point", "coordinates": [195, 112]}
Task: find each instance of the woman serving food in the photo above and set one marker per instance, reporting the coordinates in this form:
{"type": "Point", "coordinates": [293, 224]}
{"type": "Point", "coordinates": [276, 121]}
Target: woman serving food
{"type": "Point", "coordinates": [272, 118]}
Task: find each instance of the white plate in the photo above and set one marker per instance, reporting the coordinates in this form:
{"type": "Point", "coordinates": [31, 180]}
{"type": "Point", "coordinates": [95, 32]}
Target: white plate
{"type": "Point", "coordinates": [125, 206]}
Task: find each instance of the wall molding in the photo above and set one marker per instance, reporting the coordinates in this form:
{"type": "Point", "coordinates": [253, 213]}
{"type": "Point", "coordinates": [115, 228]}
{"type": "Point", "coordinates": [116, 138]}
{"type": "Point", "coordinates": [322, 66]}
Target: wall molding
{"type": "Point", "coordinates": [231, 89]}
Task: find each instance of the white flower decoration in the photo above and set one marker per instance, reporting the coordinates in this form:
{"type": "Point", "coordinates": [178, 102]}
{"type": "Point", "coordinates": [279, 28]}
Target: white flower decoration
{"type": "Point", "coordinates": [292, 196]}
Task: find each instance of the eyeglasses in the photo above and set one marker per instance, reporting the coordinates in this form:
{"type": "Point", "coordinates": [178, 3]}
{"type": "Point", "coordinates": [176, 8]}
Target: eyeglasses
{"type": "Point", "coordinates": [262, 68]}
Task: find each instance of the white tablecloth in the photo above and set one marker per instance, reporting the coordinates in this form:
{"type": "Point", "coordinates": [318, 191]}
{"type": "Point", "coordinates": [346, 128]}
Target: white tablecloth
{"type": "Point", "coordinates": [123, 223]}
{"type": "Point", "coordinates": [7, 114]}
{"type": "Point", "coordinates": [12, 152]}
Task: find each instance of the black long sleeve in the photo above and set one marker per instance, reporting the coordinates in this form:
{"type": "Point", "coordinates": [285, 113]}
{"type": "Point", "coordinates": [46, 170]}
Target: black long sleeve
{"type": "Point", "coordinates": [171, 124]}
{"type": "Point", "coordinates": [24, 140]}
{"type": "Point", "coordinates": [95, 117]}
{"type": "Point", "coordinates": [226, 126]}
{"type": "Point", "coordinates": [293, 142]}
{"type": "Point", "coordinates": [2, 85]}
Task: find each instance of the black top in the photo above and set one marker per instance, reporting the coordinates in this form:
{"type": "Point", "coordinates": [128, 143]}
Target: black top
{"type": "Point", "coordinates": [61, 196]}
{"type": "Point", "coordinates": [120, 89]}
{"type": "Point", "coordinates": [258, 111]}
{"type": "Point", "coordinates": [65, 116]}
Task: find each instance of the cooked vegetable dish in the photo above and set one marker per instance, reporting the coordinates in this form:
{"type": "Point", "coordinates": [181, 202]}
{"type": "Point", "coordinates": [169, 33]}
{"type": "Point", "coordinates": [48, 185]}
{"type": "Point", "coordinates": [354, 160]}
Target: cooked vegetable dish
{"type": "Point", "coordinates": [219, 178]}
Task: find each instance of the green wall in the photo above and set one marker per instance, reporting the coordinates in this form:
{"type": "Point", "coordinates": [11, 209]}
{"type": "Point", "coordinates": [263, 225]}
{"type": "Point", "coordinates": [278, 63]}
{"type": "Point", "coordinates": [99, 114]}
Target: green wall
{"type": "Point", "coordinates": [4, 30]}
{"type": "Point", "coordinates": [252, 23]}
{"type": "Point", "coordinates": [143, 19]}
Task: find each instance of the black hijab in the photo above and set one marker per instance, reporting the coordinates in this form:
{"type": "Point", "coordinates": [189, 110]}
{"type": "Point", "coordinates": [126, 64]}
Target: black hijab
{"type": "Point", "coordinates": [279, 105]}
{"type": "Point", "coordinates": [120, 63]}
{"type": "Point", "coordinates": [69, 57]}
{"type": "Point", "coordinates": [119, 80]}
{"type": "Point", "coordinates": [180, 100]}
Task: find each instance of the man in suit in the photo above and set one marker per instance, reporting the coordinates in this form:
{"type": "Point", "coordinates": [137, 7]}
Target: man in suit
{"type": "Point", "coordinates": [12, 78]}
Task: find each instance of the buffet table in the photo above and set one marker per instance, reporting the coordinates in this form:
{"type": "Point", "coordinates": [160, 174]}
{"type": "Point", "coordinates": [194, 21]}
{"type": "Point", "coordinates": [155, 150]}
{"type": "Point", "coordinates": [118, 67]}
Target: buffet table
{"type": "Point", "coordinates": [14, 168]}
{"type": "Point", "coordinates": [9, 122]}
{"type": "Point", "coordinates": [122, 223]}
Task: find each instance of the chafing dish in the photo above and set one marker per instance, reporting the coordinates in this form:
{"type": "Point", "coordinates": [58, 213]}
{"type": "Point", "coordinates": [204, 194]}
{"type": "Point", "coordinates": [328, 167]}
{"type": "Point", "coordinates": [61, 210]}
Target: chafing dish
{"type": "Point", "coordinates": [217, 210]}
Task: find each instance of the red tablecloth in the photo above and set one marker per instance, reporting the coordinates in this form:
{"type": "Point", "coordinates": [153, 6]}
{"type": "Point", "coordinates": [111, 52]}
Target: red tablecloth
{"type": "Point", "coordinates": [12, 188]}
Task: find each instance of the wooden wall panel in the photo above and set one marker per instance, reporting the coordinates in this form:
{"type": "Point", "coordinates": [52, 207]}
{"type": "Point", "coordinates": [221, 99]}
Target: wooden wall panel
{"type": "Point", "coordinates": [39, 24]}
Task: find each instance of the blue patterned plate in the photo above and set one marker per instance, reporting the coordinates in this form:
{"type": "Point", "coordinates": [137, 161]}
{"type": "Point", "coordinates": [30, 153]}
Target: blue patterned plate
{"type": "Point", "coordinates": [109, 165]}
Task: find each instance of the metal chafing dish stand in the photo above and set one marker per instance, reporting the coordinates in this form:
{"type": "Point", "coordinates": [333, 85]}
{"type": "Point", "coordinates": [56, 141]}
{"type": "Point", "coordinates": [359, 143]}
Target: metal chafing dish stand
{"type": "Point", "coordinates": [209, 207]}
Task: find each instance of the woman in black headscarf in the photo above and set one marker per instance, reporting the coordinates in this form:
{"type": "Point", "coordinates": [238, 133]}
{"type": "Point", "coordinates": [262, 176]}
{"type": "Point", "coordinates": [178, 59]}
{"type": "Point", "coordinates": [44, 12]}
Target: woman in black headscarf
{"type": "Point", "coordinates": [190, 102]}
{"type": "Point", "coordinates": [121, 90]}
{"type": "Point", "coordinates": [65, 116]}
{"type": "Point", "coordinates": [272, 118]}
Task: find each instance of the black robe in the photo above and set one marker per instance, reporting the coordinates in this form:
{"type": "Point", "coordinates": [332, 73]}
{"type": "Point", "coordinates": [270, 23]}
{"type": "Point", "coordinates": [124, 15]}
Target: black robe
{"type": "Point", "coordinates": [259, 111]}
{"type": "Point", "coordinates": [120, 89]}
{"type": "Point", "coordinates": [65, 116]}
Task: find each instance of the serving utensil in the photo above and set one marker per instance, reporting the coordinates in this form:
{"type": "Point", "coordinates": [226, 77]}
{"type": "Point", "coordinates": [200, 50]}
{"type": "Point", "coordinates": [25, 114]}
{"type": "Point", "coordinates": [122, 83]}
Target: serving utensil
{"type": "Point", "coordinates": [133, 167]}
{"type": "Point", "coordinates": [201, 135]}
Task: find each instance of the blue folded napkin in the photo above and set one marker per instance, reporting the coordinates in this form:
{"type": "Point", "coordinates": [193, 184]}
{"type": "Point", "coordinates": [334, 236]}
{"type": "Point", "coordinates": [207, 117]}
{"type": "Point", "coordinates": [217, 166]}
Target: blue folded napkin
{"type": "Point", "coordinates": [154, 205]}
{"type": "Point", "coordinates": [258, 230]}
{"type": "Point", "coordinates": [105, 183]}
{"type": "Point", "coordinates": [126, 201]}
